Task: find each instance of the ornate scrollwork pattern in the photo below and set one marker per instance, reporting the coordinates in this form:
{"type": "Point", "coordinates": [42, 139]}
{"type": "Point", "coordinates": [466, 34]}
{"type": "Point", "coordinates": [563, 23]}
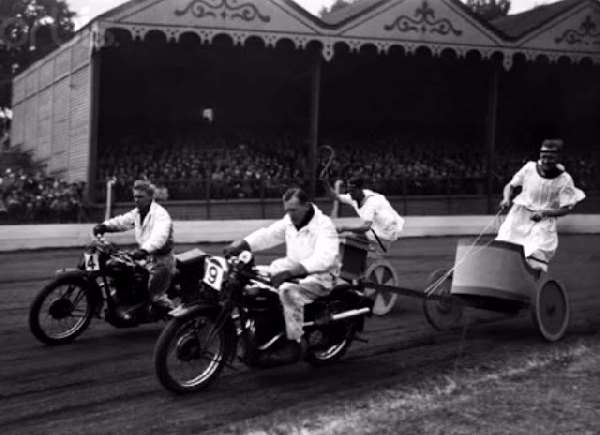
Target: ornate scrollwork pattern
{"type": "Point", "coordinates": [225, 9]}
{"type": "Point", "coordinates": [585, 35]}
{"type": "Point", "coordinates": [423, 22]}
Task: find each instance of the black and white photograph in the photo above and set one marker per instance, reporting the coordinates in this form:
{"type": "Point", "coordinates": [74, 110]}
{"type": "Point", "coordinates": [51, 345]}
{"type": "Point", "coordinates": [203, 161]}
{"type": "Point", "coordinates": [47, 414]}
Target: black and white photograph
{"type": "Point", "coordinates": [303, 217]}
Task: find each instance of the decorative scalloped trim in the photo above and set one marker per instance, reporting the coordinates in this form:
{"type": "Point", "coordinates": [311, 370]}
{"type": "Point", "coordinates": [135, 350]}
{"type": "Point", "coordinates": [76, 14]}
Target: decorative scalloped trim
{"type": "Point", "coordinates": [99, 38]}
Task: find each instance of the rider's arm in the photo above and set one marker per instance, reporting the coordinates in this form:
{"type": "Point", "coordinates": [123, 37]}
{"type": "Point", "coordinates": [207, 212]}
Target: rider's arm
{"type": "Point", "coordinates": [363, 227]}
{"type": "Point", "coordinates": [516, 181]}
{"type": "Point", "coordinates": [331, 193]}
{"type": "Point", "coordinates": [269, 237]}
{"type": "Point", "coordinates": [563, 211]}
{"type": "Point", "coordinates": [122, 222]}
{"type": "Point", "coordinates": [367, 215]}
{"type": "Point", "coordinates": [507, 194]}
{"type": "Point", "coordinates": [162, 230]}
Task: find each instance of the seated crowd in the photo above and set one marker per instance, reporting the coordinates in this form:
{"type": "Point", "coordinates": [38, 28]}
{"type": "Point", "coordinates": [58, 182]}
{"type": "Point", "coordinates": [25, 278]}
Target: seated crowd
{"type": "Point", "coordinates": [262, 166]}
{"type": "Point", "coordinates": [33, 197]}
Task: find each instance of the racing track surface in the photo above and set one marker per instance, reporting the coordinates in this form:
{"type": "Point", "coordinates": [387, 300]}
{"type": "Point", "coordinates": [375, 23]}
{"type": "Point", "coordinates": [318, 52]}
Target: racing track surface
{"type": "Point", "coordinates": [104, 382]}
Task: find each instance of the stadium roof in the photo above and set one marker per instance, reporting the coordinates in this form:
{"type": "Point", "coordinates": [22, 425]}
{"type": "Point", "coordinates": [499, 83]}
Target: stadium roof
{"type": "Point", "coordinates": [518, 25]}
{"type": "Point", "coordinates": [565, 29]}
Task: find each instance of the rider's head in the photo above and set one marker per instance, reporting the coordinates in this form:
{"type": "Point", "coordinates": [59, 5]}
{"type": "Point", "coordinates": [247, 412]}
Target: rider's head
{"type": "Point", "coordinates": [296, 205]}
{"type": "Point", "coordinates": [550, 153]}
{"type": "Point", "coordinates": [355, 188]}
{"type": "Point", "coordinates": [143, 193]}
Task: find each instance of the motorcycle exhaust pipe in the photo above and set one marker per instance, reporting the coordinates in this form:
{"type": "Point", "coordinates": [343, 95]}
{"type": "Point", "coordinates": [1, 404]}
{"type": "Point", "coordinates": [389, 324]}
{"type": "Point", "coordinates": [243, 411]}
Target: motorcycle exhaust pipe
{"type": "Point", "coordinates": [340, 316]}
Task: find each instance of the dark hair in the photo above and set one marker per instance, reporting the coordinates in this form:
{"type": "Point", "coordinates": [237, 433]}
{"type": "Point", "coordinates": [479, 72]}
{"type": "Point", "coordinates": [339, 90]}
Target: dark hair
{"type": "Point", "coordinates": [357, 182]}
{"type": "Point", "coordinates": [296, 192]}
{"type": "Point", "coordinates": [144, 186]}
{"type": "Point", "coordinates": [552, 145]}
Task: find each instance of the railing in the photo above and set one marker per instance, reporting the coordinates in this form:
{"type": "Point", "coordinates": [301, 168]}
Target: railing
{"type": "Point", "coordinates": [207, 190]}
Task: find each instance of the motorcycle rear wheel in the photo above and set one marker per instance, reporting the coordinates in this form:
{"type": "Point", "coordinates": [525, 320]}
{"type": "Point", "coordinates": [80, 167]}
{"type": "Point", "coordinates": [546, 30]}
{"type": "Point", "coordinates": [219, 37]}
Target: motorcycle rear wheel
{"type": "Point", "coordinates": [183, 361]}
{"type": "Point", "coordinates": [333, 353]}
{"type": "Point", "coordinates": [61, 311]}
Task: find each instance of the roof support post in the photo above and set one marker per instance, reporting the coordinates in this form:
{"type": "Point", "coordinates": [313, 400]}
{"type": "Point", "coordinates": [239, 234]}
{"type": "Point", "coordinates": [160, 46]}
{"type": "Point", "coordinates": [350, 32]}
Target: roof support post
{"type": "Point", "coordinates": [92, 188]}
{"type": "Point", "coordinates": [313, 138]}
{"type": "Point", "coordinates": [490, 133]}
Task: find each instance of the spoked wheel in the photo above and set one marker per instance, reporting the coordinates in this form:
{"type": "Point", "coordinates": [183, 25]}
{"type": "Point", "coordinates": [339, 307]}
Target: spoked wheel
{"type": "Point", "coordinates": [551, 311]}
{"type": "Point", "coordinates": [189, 354]}
{"type": "Point", "coordinates": [61, 311]}
{"type": "Point", "coordinates": [442, 312]}
{"type": "Point", "coordinates": [381, 272]}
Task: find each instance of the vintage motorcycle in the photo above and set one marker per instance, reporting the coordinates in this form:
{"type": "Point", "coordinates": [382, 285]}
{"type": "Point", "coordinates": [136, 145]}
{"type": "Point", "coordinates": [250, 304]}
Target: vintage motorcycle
{"type": "Point", "coordinates": [240, 314]}
{"type": "Point", "coordinates": [108, 278]}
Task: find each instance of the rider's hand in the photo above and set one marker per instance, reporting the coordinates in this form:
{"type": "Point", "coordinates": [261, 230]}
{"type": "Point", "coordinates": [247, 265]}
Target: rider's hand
{"type": "Point", "coordinates": [138, 254]}
{"type": "Point", "coordinates": [235, 247]}
{"type": "Point", "coordinates": [280, 277]}
{"type": "Point", "coordinates": [504, 204]}
{"type": "Point", "coordinates": [99, 229]}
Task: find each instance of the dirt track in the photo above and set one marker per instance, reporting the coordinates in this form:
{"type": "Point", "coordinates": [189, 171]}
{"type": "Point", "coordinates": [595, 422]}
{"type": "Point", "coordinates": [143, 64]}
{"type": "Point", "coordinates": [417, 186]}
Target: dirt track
{"type": "Point", "coordinates": [104, 382]}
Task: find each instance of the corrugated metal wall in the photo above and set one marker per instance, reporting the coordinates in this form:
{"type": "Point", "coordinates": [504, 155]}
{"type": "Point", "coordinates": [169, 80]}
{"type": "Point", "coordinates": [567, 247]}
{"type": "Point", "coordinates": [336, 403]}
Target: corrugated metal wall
{"type": "Point", "coordinates": [51, 109]}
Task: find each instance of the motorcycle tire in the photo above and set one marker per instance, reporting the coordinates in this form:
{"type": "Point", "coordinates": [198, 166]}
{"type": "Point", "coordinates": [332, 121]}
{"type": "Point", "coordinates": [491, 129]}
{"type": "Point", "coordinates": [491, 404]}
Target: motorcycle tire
{"type": "Point", "coordinates": [181, 338]}
{"type": "Point", "coordinates": [333, 353]}
{"type": "Point", "coordinates": [60, 309]}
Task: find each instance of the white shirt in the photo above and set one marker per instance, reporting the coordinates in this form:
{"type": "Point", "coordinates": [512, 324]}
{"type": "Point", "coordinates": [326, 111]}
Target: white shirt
{"type": "Point", "coordinates": [386, 222]}
{"type": "Point", "coordinates": [541, 193]}
{"type": "Point", "coordinates": [315, 246]}
{"type": "Point", "coordinates": [152, 235]}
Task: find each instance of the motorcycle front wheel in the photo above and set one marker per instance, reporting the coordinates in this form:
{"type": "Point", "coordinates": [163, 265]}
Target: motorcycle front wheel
{"type": "Point", "coordinates": [61, 311]}
{"type": "Point", "coordinates": [190, 354]}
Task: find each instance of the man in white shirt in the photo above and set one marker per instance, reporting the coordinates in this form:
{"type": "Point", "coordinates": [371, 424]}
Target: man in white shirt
{"type": "Point", "coordinates": [312, 248]}
{"type": "Point", "coordinates": [548, 192]}
{"type": "Point", "coordinates": [380, 222]}
{"type": "Point", "coordinates": [154, 234]}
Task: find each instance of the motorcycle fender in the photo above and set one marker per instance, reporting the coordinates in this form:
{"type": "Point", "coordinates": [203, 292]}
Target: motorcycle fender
{"type": "Point", "coordinates": [92, 286]}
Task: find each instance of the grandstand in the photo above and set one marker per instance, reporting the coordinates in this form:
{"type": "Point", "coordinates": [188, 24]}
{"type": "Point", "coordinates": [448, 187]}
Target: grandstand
{"type": "Point", "coordinates": [437, 117]}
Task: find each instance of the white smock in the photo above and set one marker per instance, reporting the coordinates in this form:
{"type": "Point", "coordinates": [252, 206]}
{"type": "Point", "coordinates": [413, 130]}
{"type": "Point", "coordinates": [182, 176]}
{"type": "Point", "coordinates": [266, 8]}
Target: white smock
{"type": "Point", "coordinates": [386, 222]}
{"type": "Point", "coordinates": [539, 239]}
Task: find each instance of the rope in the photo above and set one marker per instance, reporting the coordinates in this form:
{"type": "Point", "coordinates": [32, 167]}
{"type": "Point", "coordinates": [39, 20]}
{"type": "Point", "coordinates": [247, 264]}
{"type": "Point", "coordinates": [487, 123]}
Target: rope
{"type": "Point", "coordinates": [324, 174]}
{"type": "Point", "coordinates": [432, 288]}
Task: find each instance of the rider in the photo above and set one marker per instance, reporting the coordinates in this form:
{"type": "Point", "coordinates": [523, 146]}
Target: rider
{"type": "Point", "coordinates": [154, 235]}
{"type": "Point", "coordinates": [380, 222]}
{"type": "Point", "coordinates": [548, 192]}
{"type": "Point", "coordinates": [312, 248]}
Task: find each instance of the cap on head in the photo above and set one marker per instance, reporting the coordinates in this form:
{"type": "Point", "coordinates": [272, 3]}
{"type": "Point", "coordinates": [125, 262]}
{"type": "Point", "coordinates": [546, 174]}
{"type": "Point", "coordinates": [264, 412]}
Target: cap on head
{"type": "Point", "coordinates": [552, 145]}
{"type": "Point", "coordinates": [144, 186]}
{"type": "Point", "coordinates": [356, 182]}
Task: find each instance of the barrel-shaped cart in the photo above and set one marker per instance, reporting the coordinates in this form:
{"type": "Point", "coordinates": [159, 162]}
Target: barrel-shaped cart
{"type": "Point", "coordinates": [496, 276]}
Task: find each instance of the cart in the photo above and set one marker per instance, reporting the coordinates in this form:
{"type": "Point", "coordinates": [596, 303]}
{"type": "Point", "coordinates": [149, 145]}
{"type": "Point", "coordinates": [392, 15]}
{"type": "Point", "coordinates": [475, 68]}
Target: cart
{"type": "Point", "coordinates": [495, 276]}
{"type": "Point", "coordinates": [492, 275]}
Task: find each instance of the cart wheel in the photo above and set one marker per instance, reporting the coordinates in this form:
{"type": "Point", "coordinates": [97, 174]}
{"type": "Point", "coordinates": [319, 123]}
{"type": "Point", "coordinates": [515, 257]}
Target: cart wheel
{"type": "Point", "coordinates": [381, 272]}
{"type": "Point", "coordinates": [444, 313]}
{"type": "Point", "coordinates": [550, 310]}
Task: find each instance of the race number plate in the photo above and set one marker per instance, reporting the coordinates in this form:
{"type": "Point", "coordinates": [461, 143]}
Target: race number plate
{"type": "Point", "coordinates": [91, 261]}
{"type": "Point", "coordinates": [213, 274]}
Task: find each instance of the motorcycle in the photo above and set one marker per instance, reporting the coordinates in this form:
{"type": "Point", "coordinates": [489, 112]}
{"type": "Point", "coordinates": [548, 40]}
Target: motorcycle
{"type": "Point", "coordinates": [108, 278]}
{"type": "Point", "coordinates": [241, 315]}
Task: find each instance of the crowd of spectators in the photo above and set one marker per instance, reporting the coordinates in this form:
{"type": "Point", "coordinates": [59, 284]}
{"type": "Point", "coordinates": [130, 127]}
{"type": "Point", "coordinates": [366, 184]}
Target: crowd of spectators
{"type": "Point", "coordinates": [197, 168]}
{"type": "Point", "coordinates": [253, 165]}
{"type": "Point", "coordinates": [33, 197]}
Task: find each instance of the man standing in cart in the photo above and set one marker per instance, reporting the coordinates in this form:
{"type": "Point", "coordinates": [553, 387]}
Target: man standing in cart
{"type": "Point", "coordinates": [548, 192]}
